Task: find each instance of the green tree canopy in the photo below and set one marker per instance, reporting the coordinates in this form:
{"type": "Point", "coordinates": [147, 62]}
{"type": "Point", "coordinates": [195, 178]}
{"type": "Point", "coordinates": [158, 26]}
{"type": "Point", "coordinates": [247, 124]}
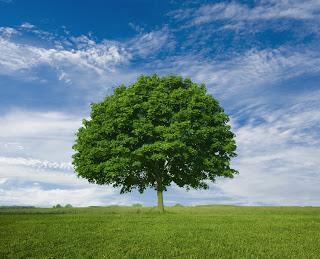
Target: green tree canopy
{"type": "Point", "coordinates": [154, 132]}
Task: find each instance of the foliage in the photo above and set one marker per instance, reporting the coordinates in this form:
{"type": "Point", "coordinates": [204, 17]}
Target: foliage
{"type": "Point", "coordinates": [183, 232]}
{"type": "Point", "coordinates": [58, 206]}
{"type": "Point", "coordinates": [154, 132]}
{"type": "Point", "coordinates": [68, 206]}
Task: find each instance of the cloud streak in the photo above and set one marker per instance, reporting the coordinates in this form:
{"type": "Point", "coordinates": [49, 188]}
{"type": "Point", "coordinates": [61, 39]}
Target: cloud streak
{"type": "Point", "coordinates": [36, 163]}
{"type": "Point", "coordinates": [98, 58]}
{"type": "Point", "coordinates": [74, 56]}
{"type": "Point", "coordinates": [246, 74]}
{"type": "Point", "coordinates": [241, 13]}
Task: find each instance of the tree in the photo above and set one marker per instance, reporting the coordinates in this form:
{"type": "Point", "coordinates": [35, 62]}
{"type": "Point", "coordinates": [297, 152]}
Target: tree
{"type": "Point", "coordinates": [152, 133]}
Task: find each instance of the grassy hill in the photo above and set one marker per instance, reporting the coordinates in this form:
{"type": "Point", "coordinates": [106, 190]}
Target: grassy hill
{"type": "Point", "coordinates": [182, 232]}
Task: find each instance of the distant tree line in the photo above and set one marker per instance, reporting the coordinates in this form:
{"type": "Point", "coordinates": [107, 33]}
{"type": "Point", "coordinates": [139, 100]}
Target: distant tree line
{"type": "Point", "coordinates": [16, 207]}
{"type": "Point", "coordinates": [58, 206]}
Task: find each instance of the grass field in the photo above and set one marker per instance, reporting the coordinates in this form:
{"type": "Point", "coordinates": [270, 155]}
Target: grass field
{"type": "Point", "coordinates": [182, 232]}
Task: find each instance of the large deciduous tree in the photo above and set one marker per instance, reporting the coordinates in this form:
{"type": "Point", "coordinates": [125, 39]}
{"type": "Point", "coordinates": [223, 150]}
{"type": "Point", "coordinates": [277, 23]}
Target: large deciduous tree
{"type": "Point", "coordinates": [152, 133]}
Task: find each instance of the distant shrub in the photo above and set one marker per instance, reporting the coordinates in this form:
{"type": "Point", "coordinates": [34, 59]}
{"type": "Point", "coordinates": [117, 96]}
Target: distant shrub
{"type": "Point", "coordinates": [113, 206]}
{"type": "Point", "coordinates": [68, 206]}
{"type": "Point", "coordinates": [58, 206]}
{"type": "Point", "coordinates": [137, 205]}
{"type": "Point", "coordinates": [178, 205]}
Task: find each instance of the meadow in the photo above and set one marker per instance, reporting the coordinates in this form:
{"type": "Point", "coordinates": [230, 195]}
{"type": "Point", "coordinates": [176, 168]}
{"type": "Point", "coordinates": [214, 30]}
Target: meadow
{"type": "Point", "coordinates": [181, 232]}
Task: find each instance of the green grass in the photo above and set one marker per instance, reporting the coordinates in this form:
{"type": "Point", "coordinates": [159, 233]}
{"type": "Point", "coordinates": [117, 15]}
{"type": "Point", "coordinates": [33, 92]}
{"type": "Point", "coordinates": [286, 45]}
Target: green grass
{"type": "Point", "coordinates": [182, 232]}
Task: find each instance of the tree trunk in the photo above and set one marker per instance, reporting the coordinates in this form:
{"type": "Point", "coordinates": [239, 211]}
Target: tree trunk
{"type": "Point", "coordinates": [160, 201]}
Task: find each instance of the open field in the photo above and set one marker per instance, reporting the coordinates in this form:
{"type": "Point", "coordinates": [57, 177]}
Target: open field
{"type": "Point", "coordinates": [182, 232]}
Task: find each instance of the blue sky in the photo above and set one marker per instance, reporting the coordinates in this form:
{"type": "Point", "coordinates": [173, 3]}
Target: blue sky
{"type": "Point", "coordinates": [260, 59]}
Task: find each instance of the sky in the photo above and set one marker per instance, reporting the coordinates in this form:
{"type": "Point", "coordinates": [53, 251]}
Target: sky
{"type": "Point", "coordinates": [260, 59]}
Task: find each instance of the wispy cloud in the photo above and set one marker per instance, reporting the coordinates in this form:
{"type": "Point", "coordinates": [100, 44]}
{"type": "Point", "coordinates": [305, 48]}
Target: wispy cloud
{"type": "Point", "coordinates": [36, 195]}
{"type": "Point", "coordinates": [99, 58]}
{"type": "Point", "coordinates": [146, 44]}
{"type": "Point", "coordinates": [242, 13]}
{"type": "Point", "coordinates": [37, 125]}
{"type": "Point", "coordinates": [8, 31]}
{"type": "Point", "coordinates": [245, 74]}
{"type": "Point", "coordinates": [36, 163]}
{"type": "Point", "coordinates": [27, 25]}
{"type": "Point", "coordinates": [77, 58]}
{"type": "Point", "coordinates": [37, 140]}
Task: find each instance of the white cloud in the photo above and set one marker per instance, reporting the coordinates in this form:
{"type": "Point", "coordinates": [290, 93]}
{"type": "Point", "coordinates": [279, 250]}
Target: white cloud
{"type": "Point", "coordinates": [44, 136]}
{"type": "Point", "coordinates": [146, 44]}
{"type": "Point", "coordinates": [37, 196]}
{"type": "Point", "coordinates": [3, 180]}
{"type": "Point", "coordinates": [8, 31]}
{"type": "Point", "coordinates": [240, 14]}
{"type": "Point", "coordinates": [278, 157]}
{"type": "Point", "coordinates": [28, 124]}
{"type": "Point", "coordinates": [35, 163]}
{"type": "Point", "coordinates": [243, 74]}
{"type": "Point", "coordinates": [79, 60]}
{"type": "Point", "coordinates": [99, 59]}
{"type": "Point", "coordinates": [136, 27]}
{"type": "Point", "coordinates": [27, 25]}
{"type": "Point", "coordinates": [18, 172]}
